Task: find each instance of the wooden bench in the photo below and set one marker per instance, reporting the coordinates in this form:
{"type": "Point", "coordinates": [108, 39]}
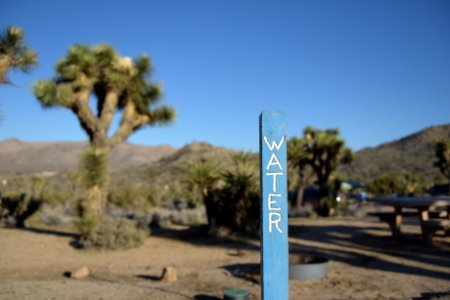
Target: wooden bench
{"type": "Point", "coordinates": [430, 226]}
{"type": "Point", "coordinates": [434, 213]}
{"type": "Point", "coordinates": [393, 220]}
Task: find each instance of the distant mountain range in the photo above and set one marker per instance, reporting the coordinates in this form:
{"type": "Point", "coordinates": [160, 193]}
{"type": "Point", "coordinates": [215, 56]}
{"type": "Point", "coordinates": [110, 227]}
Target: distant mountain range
{"type": "Point", "coordinates": [37, 157]}
{"type": "Point", "coordinates": [413, 153]}
{"type": "Point", "coordinates": [166, 171]}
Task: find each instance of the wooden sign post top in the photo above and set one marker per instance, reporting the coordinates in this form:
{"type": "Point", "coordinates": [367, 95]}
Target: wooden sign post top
{"type": "Point", "coordinates": [274, 215]}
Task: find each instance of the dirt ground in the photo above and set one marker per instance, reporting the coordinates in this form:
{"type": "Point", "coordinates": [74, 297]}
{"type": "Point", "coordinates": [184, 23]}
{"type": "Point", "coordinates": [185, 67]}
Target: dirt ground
{"type": "Point", "coordinates": [365, 263]}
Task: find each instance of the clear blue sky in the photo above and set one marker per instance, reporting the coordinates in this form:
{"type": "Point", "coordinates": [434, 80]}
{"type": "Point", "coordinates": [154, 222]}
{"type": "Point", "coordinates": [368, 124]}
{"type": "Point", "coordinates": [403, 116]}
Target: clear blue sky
{"type": "Point", "coordinates": [378, 70]}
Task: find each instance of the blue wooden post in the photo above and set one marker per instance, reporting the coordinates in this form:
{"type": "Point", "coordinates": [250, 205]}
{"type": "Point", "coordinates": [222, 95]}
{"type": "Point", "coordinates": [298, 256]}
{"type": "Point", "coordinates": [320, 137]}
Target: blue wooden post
{"type": "Point", "coordinates": [274, 217]}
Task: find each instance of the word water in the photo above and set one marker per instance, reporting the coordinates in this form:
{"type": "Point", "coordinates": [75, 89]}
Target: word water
{"type": "Point", "coordinates": [274, 170]}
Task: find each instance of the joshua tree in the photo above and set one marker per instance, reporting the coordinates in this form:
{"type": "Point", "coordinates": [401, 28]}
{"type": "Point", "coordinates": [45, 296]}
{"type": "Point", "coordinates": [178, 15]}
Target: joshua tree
{"type": "Point", "coordinates": [442, 150]}
{"type": "Point", "coordinates": [326, 151]}
{"type": "Point", "coordinates": [14, 54]}
{"type": "Point", "coordinates": [298, 162]}
{"type": "Point", "coordinates": [323, 151]}
{"type": "Point", "coordinates": [118, 84]}
{"type": "Point", "coordinates": [203, 175]}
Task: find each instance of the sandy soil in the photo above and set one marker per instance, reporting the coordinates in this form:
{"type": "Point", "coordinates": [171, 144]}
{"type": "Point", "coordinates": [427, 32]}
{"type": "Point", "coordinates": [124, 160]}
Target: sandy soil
{"type": "Point", "coordinates": [365, 263]}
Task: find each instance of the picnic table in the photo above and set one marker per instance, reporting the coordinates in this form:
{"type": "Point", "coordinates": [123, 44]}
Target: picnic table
{"type": "Point", "coordinates": [439, 207]}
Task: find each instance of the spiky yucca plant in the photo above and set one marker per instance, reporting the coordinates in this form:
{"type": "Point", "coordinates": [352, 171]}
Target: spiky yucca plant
{"type": "Point", "coordinates": [118, 84]}
{"type": "Point", "coordinates": [14, 53]}
{"type": "Point", "coordinates": [239, 198]}
{"type": "Point", "coordinates": [442, 151]}
{"type": "Point", "coordinates": [203, 175]}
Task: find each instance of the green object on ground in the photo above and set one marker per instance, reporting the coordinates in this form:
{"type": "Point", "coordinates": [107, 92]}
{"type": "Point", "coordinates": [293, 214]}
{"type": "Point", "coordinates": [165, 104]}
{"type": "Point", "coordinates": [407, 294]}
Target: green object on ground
{"type": "Point", "coordinates": [236, 294]}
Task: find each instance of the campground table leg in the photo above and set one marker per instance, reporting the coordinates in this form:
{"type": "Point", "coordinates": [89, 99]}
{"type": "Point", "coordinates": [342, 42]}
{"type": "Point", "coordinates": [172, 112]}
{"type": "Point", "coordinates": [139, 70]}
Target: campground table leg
{"type": "Point", "coordinates": [424, 214]}
{"type": "Point", "coordinates": [447, 232]}
{"type": "Point", "coordinates": [398, 221]}
{"type": "Point", "coordinates": [426, 233]}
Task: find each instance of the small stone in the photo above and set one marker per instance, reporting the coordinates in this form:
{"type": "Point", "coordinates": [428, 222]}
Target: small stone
{"type": "Point", "coordinates": [80, 273]}
{"type": "Point", "coordinates": [169, 275]}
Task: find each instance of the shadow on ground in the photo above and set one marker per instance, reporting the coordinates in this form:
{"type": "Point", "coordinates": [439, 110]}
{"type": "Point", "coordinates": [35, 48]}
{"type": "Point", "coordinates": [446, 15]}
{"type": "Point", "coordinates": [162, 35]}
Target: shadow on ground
{"type": "Point", "coordinates": [199, 235]}
{"type": "Point", "coordinates": [434, 296]}
{"type": "Point", "coordinates": [354, 245]}
{"type": "Point", "coordinates": [249, 272]}
{"type": "Point", "coordinates": [149, 277]}
{"type": "Point", "coordinates": [369, 246]}
{"type": "Point", "coordinates": [205, 297]}
{"type": "Point", "coordinates": [51, 232]}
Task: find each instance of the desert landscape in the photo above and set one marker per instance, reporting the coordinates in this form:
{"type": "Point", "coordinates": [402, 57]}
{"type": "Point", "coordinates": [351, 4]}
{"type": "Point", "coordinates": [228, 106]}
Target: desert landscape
{"type": "Point", "coordinates": [365, 263]}
{"type": "Point", "coordinates": [209, 150]}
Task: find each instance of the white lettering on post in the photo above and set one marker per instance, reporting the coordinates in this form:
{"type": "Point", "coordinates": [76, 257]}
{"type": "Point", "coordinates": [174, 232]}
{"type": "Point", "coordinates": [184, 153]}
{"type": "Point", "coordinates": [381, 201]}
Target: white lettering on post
{"type": "Point", "coordinates": [271, 201]}
{"type": "Point", "coordinates": [274, 162]}
{"type": "Point", "coordinates": [273, 220]}
{"type": "Point", "coordinates": [275, 216]}
{"type": "Point", "coordinates": [274, 144]}
{"type": "Point", "coordinates": [274, 179]}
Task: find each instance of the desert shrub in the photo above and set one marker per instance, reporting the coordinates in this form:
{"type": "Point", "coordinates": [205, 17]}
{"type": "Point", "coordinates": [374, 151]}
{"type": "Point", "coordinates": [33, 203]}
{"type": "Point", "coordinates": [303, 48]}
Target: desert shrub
{"type": "Point", "coordinates": [236, 205]}
{"type": "Point", "coordinates": [386, 184]}
{"type": "Point", "coordinates": [19, 207]}
{"type": "Point", "coordinates": [230, 191]}
{"type": "Point", "coordinates": [236, 211]}
{"type": "Point", "coordinates": [202, 177]}
{"type": "Point", "coordinates": [53, 219]}
{"type": "Point", "coordinates": [132, 196]}
{"type": "Point", "coordinates": [409, 184]}
{"type": "Point", "coordinates": [52, 198]}
{"type": "Point", "coordinates": [54, 215]}
{"type": "Point", "coordinates": [114, 234]}
{"type": "Point", "coordinates": [415, 184]}
{"type": "Point", "coordinates": [188, 216]}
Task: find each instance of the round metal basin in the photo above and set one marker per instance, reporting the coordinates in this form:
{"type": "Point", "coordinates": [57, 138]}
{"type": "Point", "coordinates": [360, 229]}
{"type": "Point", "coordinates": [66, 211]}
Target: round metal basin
{"type": "Point", "coordinates": [303, 267]}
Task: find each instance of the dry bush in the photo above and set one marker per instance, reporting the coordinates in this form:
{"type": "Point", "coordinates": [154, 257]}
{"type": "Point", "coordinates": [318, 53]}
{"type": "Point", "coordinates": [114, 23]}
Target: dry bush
{"type": "Point", "coordinates": [19, 207]}
{"type": "Point", "coordinates": [115, 234]}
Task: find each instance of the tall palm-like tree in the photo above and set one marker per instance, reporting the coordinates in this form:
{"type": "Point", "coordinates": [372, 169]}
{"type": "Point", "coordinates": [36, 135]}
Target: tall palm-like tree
{"type": "Point", "coordinates": [203, 175]}
{"type": "Point", "coordinates": [323, 151]}
{"type": "Point", "coordinates": [298, 161]}
{"type": "Point", "coordinates": [14, 54]}
{"type": "Point", "coordinates": [442, 151]}
{"type": "Point", "coordinates": [119, 85]}
{"type": "Point", "coordinates": [240, 196]}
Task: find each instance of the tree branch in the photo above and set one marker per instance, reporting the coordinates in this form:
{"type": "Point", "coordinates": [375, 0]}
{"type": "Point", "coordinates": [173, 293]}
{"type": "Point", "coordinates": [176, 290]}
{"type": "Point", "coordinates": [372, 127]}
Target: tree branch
{"type": "Point", "coordinates": [108, 110]}
{"type": "Point", "coordinates": [84, 113]}
{"type": "Point", "coordinates": [131, 121]}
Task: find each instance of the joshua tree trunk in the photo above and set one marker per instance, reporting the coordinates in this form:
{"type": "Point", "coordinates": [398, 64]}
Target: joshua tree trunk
{"type": "Point", "coordinates": [208, 200]}
{"type": "Point", "coordinates": [300, 193]}
{"type": "Point", "coordinates": [95, 170]}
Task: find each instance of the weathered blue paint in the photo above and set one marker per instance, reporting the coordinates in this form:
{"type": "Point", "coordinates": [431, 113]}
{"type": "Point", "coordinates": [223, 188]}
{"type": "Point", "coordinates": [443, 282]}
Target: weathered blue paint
{"type": "Point", "coordinates": [274, 214]}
